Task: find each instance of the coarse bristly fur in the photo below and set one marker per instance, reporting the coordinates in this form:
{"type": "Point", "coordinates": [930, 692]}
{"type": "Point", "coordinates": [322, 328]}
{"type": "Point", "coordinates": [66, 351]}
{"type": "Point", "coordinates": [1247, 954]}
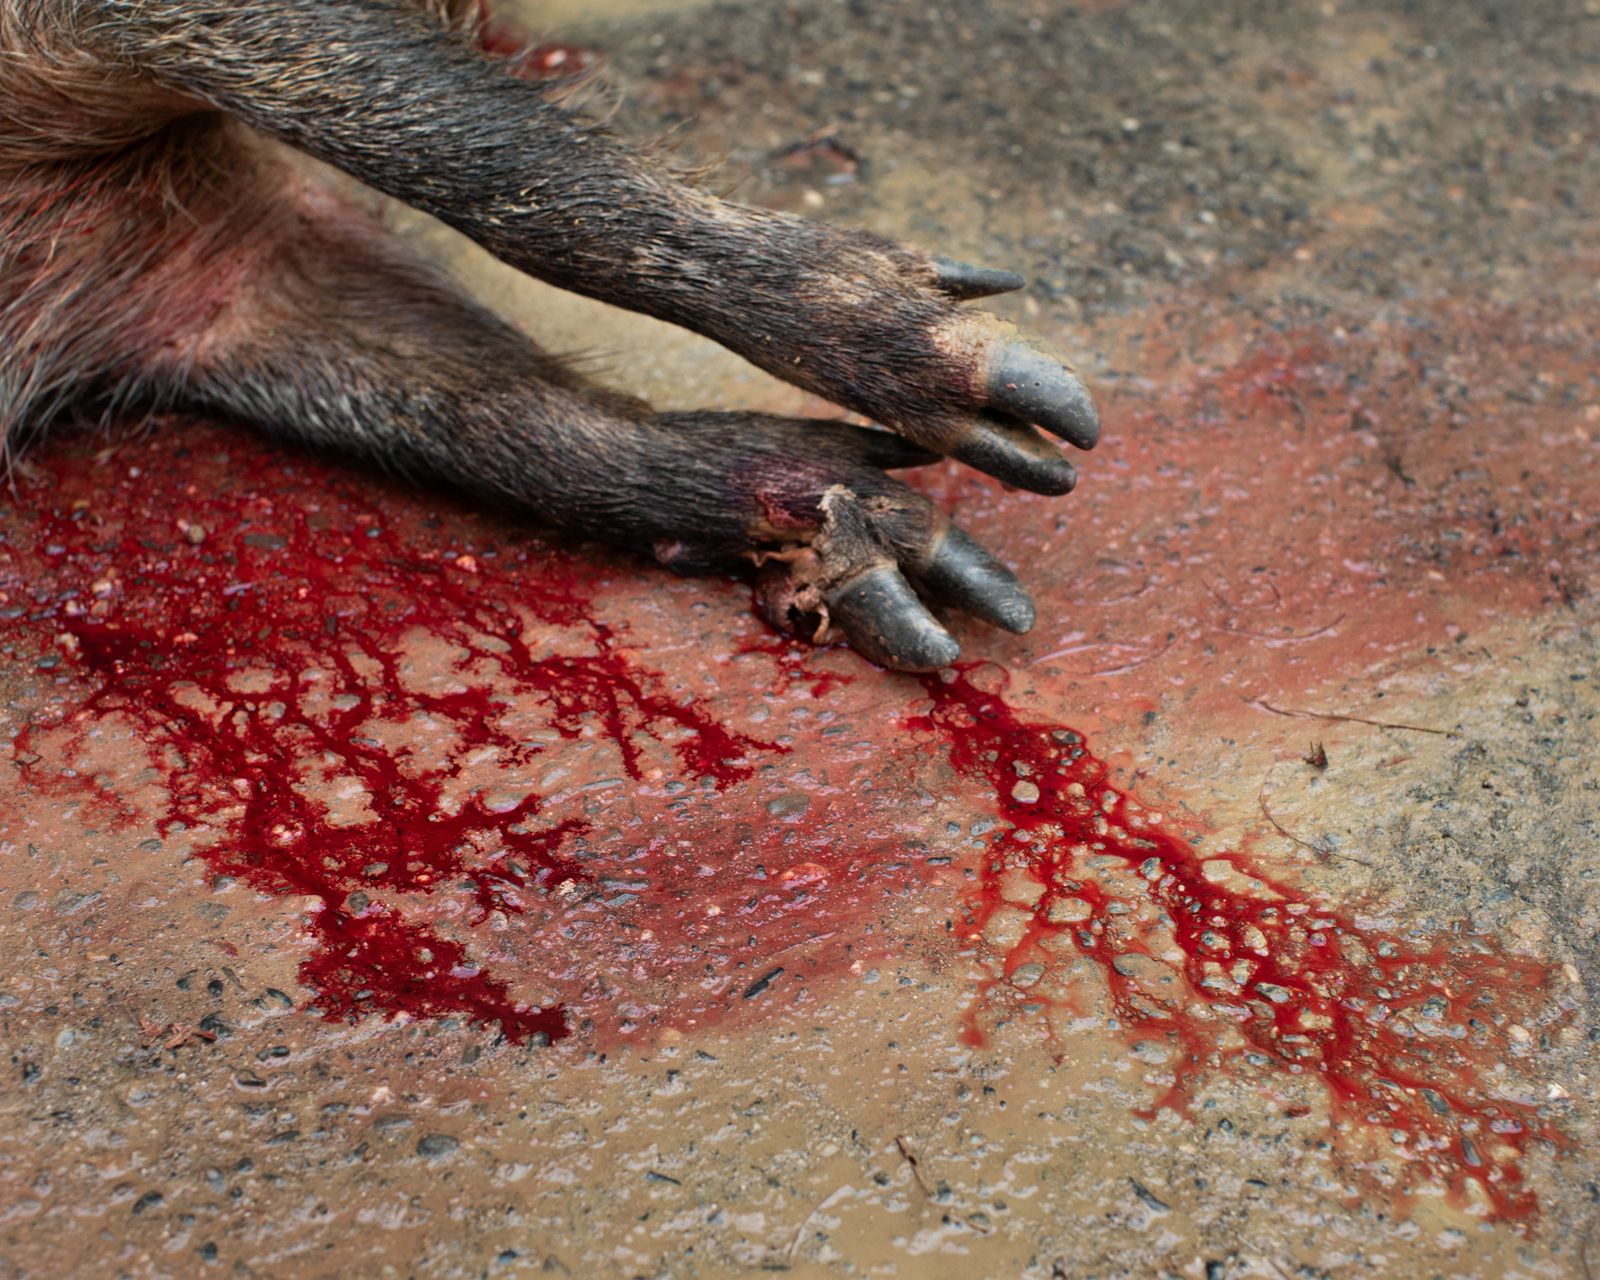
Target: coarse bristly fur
{"type": "Point", "coordinates": [161, 249]}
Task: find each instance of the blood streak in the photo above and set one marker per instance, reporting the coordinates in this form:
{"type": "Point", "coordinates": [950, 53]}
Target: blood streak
{"type": "Point", "coordinates": [262, 634]}
{"type": "Point", "coordinates": [1222, 961]}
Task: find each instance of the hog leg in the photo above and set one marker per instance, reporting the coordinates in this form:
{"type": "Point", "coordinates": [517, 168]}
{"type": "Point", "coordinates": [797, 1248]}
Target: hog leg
{"type": "Point", "coordinates": [348, 342]}
{"type": "Point", "coordinates": [384, 92]}
{"type": "Point", "coordinates": [202, 270]}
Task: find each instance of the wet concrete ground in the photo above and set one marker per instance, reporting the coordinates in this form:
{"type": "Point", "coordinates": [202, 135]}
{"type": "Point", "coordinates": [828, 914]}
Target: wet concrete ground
{"type": "Point", "coordinates": [389, 891]}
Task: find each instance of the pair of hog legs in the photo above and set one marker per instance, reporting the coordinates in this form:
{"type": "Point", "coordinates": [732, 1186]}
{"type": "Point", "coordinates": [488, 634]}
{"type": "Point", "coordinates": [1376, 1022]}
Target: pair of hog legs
{"type": "Point", "coordinates": [161, 248]}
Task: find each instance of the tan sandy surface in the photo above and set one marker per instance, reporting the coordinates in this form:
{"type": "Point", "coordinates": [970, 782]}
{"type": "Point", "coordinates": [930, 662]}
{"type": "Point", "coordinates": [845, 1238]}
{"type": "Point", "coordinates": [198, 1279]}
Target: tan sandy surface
{"type": "Point", "coordinates": [1331, 269]}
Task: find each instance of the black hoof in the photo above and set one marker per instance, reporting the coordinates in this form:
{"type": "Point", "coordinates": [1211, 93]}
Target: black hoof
{"type": "Point", "coordinates": [888, 624]}
{"type": "Point", "coordinates": [963, 574]}
{"type": "Point", "coordinates": [1017, 455]}
{"type": "Point", "coordinates": [1036, 388]}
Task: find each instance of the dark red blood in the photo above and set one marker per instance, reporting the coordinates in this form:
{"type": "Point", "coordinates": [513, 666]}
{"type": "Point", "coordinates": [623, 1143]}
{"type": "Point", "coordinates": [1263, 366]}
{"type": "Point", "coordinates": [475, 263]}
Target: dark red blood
{"type": "Point", "coordinates": [256, 616]}
{"type": "Point", "coordinates": [790, 667]}
{"type": "Point", "coordinates": [552, 61]}
{"type": "Point", "coordinates": [294, 594]}
{"type": "Point", "coordinates": [556, 61]}
{"type": "Point", "coordinates": [1400, 1033]}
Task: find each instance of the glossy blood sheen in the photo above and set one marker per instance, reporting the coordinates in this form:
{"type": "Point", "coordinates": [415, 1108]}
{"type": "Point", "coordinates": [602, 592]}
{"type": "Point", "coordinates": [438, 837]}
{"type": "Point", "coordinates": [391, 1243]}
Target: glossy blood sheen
{"type": "Point", "coordinates": [1398, 1032]}
{"type": "Point", "coordinates": [262, 622]}
{"type": "Point", "coordinates": [266, 624]}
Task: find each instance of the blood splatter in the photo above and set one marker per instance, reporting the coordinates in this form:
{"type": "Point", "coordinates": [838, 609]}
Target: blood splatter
{"type": "Point", "coordinates": [266, 640]}
{"type": "Point", "coordinates": [1222, 961]}
{"type": "Point", "coordinates": [333, 681]}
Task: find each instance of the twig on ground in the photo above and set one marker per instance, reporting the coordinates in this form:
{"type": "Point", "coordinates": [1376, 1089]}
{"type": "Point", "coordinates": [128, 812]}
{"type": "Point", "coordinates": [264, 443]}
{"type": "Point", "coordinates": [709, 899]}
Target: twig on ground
{"type": "Point", "coordinates": [827, 1202]}
{"type": "Point", "coordinates": [916, 1164]}
{"type": "Point", "coordinates": [1328, 715]}
{"type": "Point", "coordinates": [912, 1159]}
{"type": "Point", "coordinates": [1316, 849]}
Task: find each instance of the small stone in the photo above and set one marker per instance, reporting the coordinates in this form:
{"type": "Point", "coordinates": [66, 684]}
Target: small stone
{"type": "Point", "coordinates": [1025, 975]}
{"type": "Point", "coordinates": [436, 1146]}
{"type": "Point", "coordinates": [149, 1200]}
{"type": "Point", "coordinates": [792, 805]}
{"type": "Point", "coordinates": [1141, 968]}
{"type": "Point", "coordinates": [1025, 792]}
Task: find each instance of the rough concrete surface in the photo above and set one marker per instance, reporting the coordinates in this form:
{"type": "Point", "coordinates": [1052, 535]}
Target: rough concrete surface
{"type": "Point", "coordinates": [385, 890]}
